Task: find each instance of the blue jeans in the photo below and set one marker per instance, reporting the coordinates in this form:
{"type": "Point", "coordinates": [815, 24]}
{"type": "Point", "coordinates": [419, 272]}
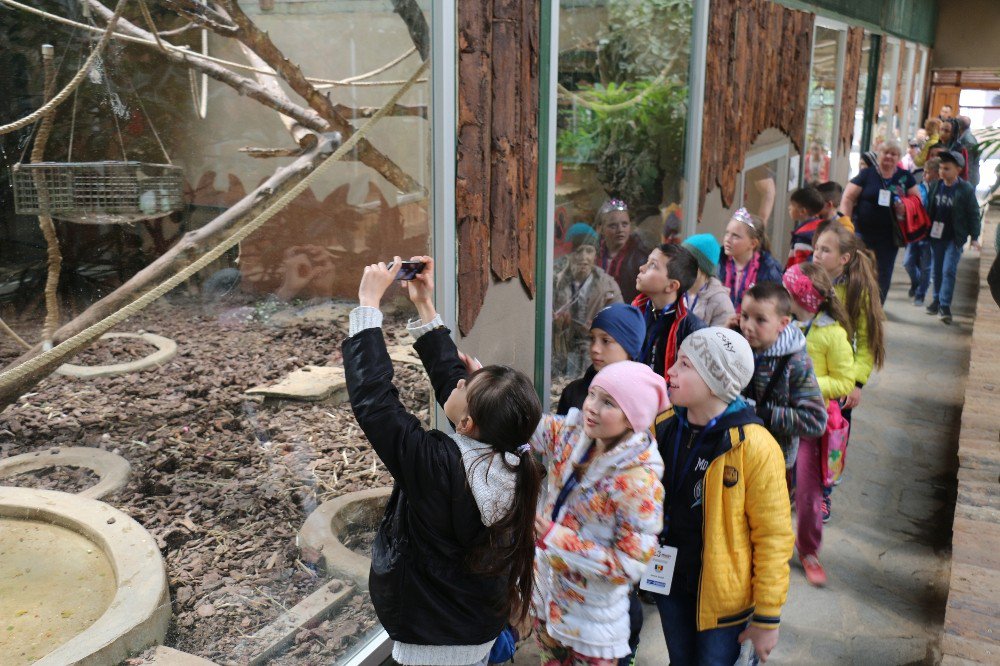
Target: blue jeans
{"type": "Point", "coordinates": [885, 260]}
{"type": "Point", "coordinates": [690, 647]}
{"type": "Point", "coordinates": [947, 254]}
{"type": "Point", "coordinates": [917, 262]}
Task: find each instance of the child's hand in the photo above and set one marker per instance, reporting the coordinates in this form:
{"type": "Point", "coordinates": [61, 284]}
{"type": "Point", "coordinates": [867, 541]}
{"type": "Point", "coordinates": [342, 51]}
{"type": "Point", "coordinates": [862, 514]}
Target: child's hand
{"type": "Point", "coordinates": [542, 526]}
{"type": "Point", "coordinates": [471, 363]}
{"type": "Point", "coordinates": [763, 640]}
{"type": "Point", "coordinates": [421, 288]}
{"type": "Point", "coordinates": [853, 399]}
{"type": "Point", "coordinates": [374, 282]}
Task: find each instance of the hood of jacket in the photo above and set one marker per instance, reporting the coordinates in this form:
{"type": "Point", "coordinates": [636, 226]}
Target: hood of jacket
{"type": "Point", "coordinates": [639, 450]}
{"type": "Point", "coordinates": [789, 341]}
{"type": "Point", "coordinates": [714, 288]}
{"type": "Point", "coordinates": [738, 413]}
{"type": "Point", "coordinates": [492, 482]}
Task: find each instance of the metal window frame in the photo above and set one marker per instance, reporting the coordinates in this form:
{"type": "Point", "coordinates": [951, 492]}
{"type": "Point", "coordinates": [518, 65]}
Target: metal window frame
{"type": "Point", "coordinates": [548, 75]}
{"type": "Point", "coordinates": [695, 117]}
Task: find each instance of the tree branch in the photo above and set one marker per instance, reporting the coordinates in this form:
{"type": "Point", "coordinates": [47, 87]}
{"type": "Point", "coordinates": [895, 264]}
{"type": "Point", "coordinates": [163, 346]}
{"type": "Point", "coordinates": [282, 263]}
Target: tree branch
{"type": "Point", "coordinates": [369, 111]}
{"type": "Point", "coordinates": [366, 153]}
{"type": "Point", "coordinates": [302, 135]}
{"type": "Point", "coordinates": [416, 25]}
{"type": "Point", "coordinates": [203, 15]}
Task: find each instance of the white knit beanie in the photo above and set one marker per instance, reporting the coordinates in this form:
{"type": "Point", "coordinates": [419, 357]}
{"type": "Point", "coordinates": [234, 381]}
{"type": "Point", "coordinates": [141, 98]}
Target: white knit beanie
{"type": "Point", "coordinates": [722, 358]}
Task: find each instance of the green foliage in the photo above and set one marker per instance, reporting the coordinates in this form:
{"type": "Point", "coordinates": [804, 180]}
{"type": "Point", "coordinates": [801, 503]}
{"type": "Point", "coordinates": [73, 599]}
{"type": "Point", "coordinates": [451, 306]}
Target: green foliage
{"type": "Point", "coordinates": [643, 36]}
{"type": "Point", "coordinates": [638, 150]}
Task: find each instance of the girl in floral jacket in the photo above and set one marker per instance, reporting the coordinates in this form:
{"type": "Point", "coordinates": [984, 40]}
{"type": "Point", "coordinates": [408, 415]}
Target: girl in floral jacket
{"type": "Point", "coordinates": [598, 515]}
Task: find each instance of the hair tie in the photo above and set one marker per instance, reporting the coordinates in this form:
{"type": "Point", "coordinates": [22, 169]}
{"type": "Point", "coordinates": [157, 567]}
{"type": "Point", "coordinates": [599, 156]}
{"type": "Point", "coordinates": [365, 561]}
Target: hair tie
{"type": "Point", "coordinates": [524, 448]}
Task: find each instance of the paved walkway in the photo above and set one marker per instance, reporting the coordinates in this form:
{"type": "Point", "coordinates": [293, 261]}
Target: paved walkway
{"type": "Point", "coordinates": [887, 549]}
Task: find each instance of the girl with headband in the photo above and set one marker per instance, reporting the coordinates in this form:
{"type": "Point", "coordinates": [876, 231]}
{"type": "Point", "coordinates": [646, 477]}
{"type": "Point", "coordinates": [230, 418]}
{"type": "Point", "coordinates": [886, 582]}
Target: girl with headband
{"type": "Point", "coordinates": [823, 320]}
{"type": "Point", "coordinates": [746, 260]}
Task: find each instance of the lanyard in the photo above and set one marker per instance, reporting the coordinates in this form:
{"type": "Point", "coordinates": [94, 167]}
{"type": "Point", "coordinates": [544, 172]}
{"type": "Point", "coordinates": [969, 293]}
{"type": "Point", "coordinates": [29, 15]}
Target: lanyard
{"type": "Point", "coordinates": [678, 480]}
{"type": "Point", "coordinates": [693, 303]}
{"type": "Point", "coordinates": [572, 483]}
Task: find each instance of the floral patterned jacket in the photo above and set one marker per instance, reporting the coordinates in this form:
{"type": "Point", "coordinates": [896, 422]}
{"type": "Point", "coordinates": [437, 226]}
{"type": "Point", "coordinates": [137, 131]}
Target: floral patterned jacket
{"type": "Point", "coordinates": [602, 538]}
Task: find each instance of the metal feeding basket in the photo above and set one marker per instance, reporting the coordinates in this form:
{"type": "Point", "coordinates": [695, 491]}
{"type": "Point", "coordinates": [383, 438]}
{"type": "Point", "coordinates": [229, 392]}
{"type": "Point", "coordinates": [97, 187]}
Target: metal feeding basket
{"type": "Point", "coordinates": [98, 192]}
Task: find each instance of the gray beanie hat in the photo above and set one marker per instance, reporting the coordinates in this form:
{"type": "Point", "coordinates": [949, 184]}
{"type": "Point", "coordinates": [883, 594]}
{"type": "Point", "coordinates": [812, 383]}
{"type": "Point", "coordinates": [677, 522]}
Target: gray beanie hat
{"type": "Point", "coordinates": [722, 358]}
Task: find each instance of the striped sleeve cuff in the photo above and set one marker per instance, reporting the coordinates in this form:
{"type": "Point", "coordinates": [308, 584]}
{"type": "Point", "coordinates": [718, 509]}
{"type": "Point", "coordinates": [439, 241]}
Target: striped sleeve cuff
{"type": "Point", "coordinates": [364, 317]}
{"type": "Point", "coordinates": [417, 328]}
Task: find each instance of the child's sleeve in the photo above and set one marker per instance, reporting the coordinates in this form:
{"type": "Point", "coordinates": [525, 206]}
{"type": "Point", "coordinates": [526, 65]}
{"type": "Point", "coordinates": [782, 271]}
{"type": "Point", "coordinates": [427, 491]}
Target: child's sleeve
{"type": "Point", "coordinates": [638, 507]}
{"type": "Point", "coordinates": [864, 360]}
{"type": "Point", "coordinates": [769, 517]}
{"type": "Point", "coordinates": [397, 436]}
{"type": "Point", "coordinates": [805, 413]}
{"type": "Point", "coordinates": [839, 380]}
{"type": "Point", "coordinates": [439, 355]}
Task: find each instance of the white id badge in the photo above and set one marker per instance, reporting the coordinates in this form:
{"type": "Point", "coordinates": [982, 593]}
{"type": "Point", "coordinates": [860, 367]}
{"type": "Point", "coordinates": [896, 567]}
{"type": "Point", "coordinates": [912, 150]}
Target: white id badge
{"type": "Point", "coordinates": [659, 573]}
{"type": "Point", "coordinates": [937, 229]}
{"type": "Point", "coordinates": [884, 197]}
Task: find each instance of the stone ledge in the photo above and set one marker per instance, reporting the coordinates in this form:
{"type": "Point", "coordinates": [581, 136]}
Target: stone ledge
{"type": "Point", "coordinates": [972, 618]}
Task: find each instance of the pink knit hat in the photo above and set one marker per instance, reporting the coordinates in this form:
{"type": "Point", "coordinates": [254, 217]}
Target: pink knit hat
{"type": "Point", "coordinates": [640, 392]}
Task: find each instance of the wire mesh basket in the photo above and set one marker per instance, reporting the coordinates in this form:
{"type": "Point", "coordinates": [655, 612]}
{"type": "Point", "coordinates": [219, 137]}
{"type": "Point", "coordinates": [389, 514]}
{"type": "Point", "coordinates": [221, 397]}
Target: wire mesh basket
{"type": "Point", "coordinates": [98, 192]}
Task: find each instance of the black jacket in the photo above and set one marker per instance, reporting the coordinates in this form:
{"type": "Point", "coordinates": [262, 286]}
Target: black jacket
{"type": "Point", "coordinates": [420, 583]}
{"type": "Point", "coordinates": [576, 392]}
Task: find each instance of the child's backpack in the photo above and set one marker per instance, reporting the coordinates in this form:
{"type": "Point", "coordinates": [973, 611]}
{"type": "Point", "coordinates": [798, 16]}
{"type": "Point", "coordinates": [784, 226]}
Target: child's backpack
{"type": "Point", "coordinates": [912, 222]}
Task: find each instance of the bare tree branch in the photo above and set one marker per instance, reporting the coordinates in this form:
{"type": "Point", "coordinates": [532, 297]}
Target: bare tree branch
{"type": "Point", "coordinates": [302, 135]}
{"type": "Point", "coordinates": [369, 111]}
{"type": "Point", "coordinates": [203, 15]}
{"type": "Point", "coordinates": [416, 25]}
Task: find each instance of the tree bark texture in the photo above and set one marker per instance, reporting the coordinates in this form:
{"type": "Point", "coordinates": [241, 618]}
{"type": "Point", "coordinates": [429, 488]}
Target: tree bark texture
{"type": "Point", "coordinates": [497, 152]}
{"type": "Point", "coordinates": [756, 77]}
{"type": "Point", "coordinates": [849, 97]}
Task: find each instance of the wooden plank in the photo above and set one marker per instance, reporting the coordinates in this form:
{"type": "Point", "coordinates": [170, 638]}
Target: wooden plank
{"type": "Point", "coordinates": [849, 94]}
{"type": "Point", "coordinates": [505, 145]}
{"type": "Point", "coordinates": [528, 210]}
{"type": "Point", "coordinates": [472, 166]}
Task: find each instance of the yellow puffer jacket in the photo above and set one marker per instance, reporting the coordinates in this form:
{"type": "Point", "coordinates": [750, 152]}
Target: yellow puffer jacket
{"type": "Point", "coordinates": [746, 530]}
{"type": "Point", "coordinates": [864, 360]}
{"type": "Point", "coordinates": [832, 357]}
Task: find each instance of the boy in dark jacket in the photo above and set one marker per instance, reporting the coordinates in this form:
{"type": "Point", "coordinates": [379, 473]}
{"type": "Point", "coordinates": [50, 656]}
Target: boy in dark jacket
{"type": "Point", "coordinates": [452, 559]}
{"type": "Point", "coordinates": [954, 214]}
{"type": "Point", "coordinates": [616, 335]}
{"type": "Point", "coordinates": [784, 391]}
{"type": "Point", "coordinates": [663, 280]}
{"type": "Point", "coordinates": [805, 207]}
{"type": "Point", "coordinates": [726, 518]}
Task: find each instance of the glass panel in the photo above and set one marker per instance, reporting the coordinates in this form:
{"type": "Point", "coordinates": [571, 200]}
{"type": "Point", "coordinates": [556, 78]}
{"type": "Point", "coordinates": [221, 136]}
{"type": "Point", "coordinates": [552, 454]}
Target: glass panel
{"type": "Point", "coordinates": [859, 112]}
{"type": "Point", "coordinates": [918, 92]}
{"type": "Point", "coordinates": [223, 477]}
{"type": "Point", "coordinates": [887, 91]}
{"type": "Point", "coordinates": [822, 106]}
{"type": "Point", "coordinates": [623, 75]}
{"type": "Point", "coordinates": [762, 194]}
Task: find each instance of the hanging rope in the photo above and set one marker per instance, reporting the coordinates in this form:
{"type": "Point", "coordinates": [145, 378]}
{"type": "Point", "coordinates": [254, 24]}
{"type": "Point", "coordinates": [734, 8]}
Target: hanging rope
{"type": "Point", "coordinates": [621, 106]}
{"type": "Point", "coordinates": [74, 82]}
{"type": "Point", "coordinates": [73, 344]}
{"type": "Point", "coordinates": [44, 221]}
{"type": "Point", "coordinates": [357, 80]}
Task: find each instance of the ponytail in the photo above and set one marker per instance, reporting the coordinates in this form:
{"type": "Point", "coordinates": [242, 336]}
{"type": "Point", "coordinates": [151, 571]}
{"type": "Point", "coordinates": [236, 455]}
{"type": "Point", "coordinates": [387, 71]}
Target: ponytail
{"type": "Point", "coordinates": [862, 297]}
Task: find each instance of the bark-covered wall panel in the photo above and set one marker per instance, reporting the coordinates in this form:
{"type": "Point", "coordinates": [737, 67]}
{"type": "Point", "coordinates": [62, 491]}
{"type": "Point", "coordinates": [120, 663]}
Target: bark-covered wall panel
{"type": "Point", "coordinates": [497, 148]}
{"type": "Point", "coordinates": [757, 77]}
{"type": "Point", "coordinates": [849, 96]}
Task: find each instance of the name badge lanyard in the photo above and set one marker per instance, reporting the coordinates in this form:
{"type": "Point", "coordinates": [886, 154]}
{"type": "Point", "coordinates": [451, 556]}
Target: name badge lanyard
{"type": "Point", "coordinates": [572, 483]}
{"type": "Point", "coordinates": [676, 480]}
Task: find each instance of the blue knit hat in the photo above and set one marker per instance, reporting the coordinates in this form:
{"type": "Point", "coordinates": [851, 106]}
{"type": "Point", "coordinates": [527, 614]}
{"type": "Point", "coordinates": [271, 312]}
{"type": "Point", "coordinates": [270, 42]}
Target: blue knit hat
{"type": "Point", "coordinates": [625, 324]}
{"type": "Point", "coordinates": [706, 250]}
{"type": "Point", "coordinates": [581, 233]}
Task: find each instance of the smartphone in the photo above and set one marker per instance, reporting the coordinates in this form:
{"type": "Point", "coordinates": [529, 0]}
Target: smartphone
{"type": "Point", "coordinates": [409, 269]}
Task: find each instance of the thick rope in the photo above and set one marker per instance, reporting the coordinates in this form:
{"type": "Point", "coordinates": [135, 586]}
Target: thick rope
{"type": "Point", "coordinates": [86, 336]}
{"type": "Point", "coordinates": [357, 80]}
{"type": "Point", "coordinates": [9, 331]}
{"type": "Point", "coordinates": [45, 222]}
{"type": "Point", "coordinates": [53, 103]}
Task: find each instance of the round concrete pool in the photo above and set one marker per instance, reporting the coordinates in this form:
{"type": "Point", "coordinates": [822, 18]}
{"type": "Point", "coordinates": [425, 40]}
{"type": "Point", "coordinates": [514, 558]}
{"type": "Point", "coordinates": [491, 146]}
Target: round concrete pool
{"type": "Point", "coordinates": [54, 583]}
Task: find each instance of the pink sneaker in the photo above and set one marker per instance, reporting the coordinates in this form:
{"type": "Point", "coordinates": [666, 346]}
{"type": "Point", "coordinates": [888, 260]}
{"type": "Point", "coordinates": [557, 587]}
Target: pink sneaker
{"type": "Point", "coordinates": [815, 573]}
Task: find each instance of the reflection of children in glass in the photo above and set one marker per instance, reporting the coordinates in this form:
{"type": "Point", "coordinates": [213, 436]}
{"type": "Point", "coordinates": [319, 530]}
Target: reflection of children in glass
{"type": "Point", "coordinates": [622, 251]}
{"type": "Point", "coordinates": [581, 291]}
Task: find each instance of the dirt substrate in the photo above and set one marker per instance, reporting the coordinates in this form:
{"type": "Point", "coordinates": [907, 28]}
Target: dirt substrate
{"type": "Point", "coordinates": [221, 481]}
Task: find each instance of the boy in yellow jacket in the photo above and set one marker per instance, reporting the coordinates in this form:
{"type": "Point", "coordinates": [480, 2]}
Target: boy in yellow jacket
{"type": "Point", "coordinates": [727, 522]}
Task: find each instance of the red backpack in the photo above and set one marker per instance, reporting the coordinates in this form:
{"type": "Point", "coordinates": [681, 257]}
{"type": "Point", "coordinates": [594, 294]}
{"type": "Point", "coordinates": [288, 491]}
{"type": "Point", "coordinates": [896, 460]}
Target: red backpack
{"type": "Point", "coordinates": [912, 222]}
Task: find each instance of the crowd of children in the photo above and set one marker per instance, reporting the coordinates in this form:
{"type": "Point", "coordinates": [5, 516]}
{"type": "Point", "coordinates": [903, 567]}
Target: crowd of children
{"type": "Point", "coordinates": [717, 398]}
